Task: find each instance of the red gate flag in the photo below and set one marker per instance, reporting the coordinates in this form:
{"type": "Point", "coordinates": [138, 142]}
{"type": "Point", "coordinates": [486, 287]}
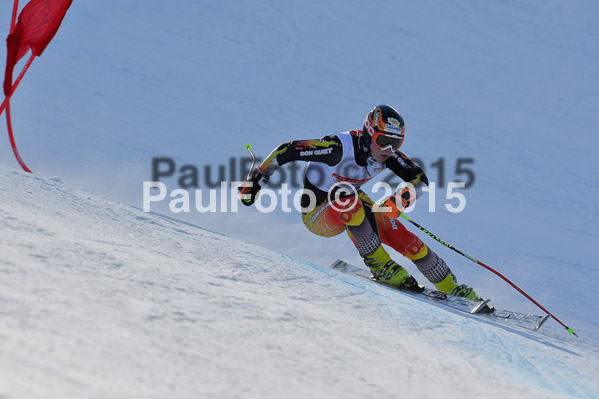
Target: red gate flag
{"type": "Point", "coordinates": [38, 23]}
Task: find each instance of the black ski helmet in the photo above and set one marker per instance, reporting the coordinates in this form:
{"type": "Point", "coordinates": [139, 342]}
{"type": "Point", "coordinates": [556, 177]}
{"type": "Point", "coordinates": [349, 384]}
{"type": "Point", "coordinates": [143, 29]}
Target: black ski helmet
{"type": "Point", "coordinates": [385, 126]}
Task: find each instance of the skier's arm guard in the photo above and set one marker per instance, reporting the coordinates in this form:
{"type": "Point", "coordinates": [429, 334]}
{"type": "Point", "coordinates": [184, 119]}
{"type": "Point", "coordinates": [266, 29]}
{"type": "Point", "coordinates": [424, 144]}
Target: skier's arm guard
{"type": "Point", "coordinates": [326, 150]}
{"type": "Point", "coordinates": [408, 171]}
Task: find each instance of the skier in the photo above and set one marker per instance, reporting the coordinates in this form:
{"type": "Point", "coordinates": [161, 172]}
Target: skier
{"type": "Point", "coordinates": [354, 158]}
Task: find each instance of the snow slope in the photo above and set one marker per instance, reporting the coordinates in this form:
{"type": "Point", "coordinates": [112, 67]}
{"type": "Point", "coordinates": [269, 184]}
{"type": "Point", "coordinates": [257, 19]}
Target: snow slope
{"type": "Point", "coordinates": [99, 299]}
{"type": "Point", "coordinates": [512, 85]}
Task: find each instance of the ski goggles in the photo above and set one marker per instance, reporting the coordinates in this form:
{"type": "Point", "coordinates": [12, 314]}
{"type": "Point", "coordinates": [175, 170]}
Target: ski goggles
{"type": "Point", "coordinates": [385, 141]}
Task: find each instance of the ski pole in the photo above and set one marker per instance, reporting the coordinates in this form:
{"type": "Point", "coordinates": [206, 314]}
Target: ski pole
{"type": "Point", "coordinates": [248, 147]}
{"type": "Point", "coordinates": [570, 330]}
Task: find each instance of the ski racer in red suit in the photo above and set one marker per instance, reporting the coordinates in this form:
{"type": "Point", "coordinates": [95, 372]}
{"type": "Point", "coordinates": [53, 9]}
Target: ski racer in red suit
{"type": "Point", "coordinates": [354, 158]}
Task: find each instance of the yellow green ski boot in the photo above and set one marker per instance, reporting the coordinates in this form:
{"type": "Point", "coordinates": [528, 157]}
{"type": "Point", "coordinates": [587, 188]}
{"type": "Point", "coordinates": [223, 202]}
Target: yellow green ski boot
{"type": "Point", "coordinates": [386, 269]}
{"type": "Point", "coordinates": [449, 285]}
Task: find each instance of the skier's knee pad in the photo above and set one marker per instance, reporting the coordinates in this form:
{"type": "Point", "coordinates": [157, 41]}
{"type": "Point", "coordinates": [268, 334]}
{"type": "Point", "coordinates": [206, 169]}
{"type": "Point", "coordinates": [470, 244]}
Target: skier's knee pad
{"type": "Point", "coordinates": [349, 211]}
{"type": "Point", "coordinates": [354, 217]}
{"type": "Point", "coordinates": [415, 250]}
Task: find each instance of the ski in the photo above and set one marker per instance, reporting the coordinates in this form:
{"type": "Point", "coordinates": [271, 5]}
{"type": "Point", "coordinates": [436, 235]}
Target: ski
{"type": "Point", "coordinates": [525, 320]}
{"type": "Point", "coordinates": [480, 308]}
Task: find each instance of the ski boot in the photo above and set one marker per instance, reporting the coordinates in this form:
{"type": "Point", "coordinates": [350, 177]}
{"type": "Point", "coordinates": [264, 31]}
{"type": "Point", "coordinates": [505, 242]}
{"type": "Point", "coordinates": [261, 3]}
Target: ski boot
{"type": "Point", "coordinates": [385, 269]}
{"type": "Point", "coordinates": [449, 285]}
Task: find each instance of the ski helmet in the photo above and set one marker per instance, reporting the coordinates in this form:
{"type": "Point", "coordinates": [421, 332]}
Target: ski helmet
{"type": "Point", "coordinates": [385, 126]}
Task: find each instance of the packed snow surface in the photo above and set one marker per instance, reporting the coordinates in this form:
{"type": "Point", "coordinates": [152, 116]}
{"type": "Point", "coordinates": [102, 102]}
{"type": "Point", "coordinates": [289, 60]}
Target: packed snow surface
{"type": "Point", "coordinates": [100, 299]}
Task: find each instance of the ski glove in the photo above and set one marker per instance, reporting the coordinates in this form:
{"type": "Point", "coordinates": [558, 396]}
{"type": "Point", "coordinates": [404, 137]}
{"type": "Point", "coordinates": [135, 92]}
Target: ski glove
{"type": "Point", "coordinates": [248, 190]}
{"type": "Point", "coordinates": [396, 204]}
